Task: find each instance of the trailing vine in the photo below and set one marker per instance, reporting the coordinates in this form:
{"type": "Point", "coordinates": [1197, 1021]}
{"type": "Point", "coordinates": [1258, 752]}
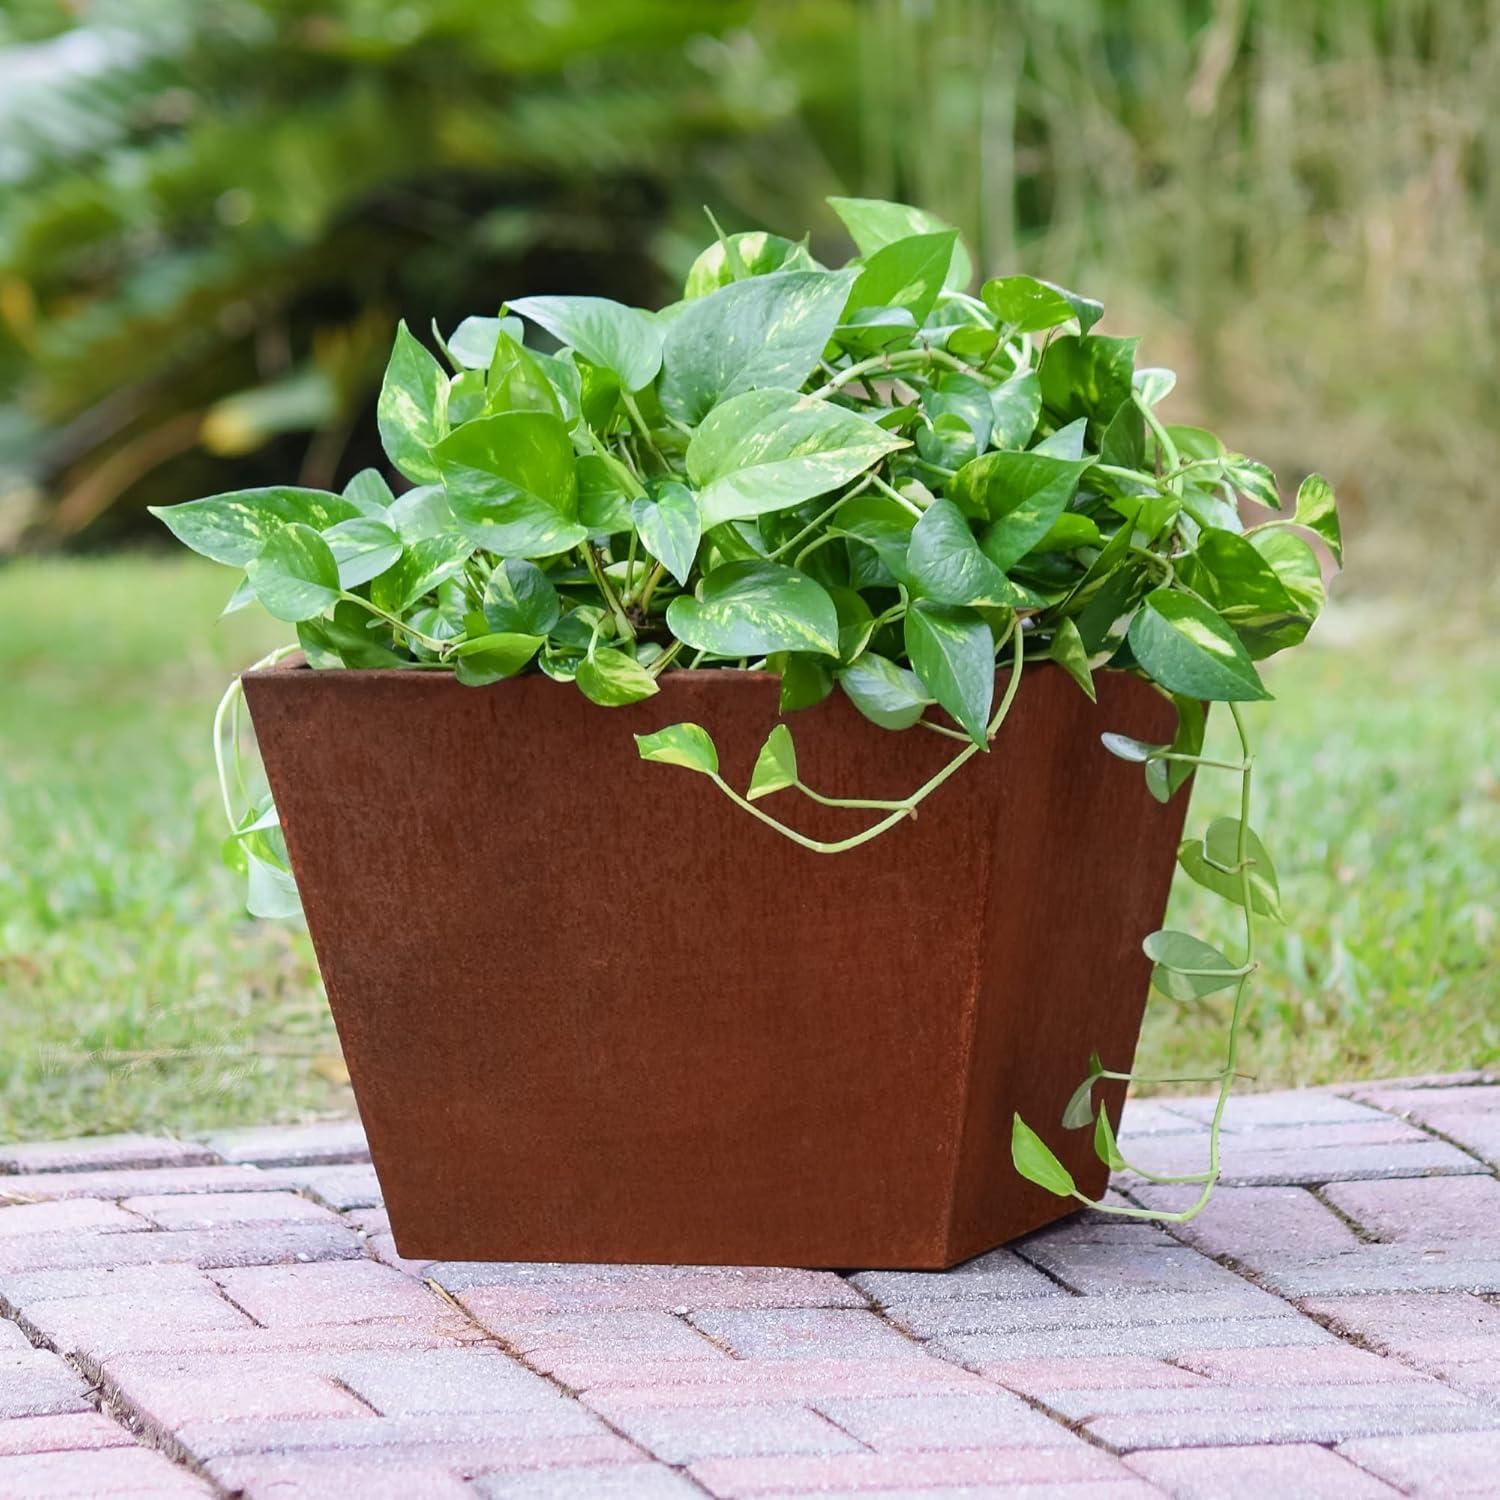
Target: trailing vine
{"type": "Point", "coordinates": [866, 480]}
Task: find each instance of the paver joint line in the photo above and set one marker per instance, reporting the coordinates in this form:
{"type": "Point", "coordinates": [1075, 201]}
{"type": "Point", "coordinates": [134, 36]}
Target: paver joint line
{"type": "Point", "coordinates": [1333, 1318]}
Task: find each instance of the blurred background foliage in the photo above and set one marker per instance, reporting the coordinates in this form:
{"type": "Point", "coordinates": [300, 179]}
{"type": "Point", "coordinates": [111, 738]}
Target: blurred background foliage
{"type": "Point", "coordinates": [211, 215]}
{"type": "Point", "coordinates": [212, 212]}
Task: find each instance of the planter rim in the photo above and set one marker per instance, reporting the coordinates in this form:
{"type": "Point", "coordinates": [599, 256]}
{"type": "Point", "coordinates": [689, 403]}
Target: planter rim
{"type": "Point", "coordinates": [298, 663]}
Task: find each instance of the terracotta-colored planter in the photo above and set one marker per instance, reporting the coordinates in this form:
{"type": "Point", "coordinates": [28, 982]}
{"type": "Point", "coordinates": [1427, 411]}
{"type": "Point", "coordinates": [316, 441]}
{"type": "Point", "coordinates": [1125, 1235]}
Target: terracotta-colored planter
{"type": "Point", "coordinates": [594, 1012]}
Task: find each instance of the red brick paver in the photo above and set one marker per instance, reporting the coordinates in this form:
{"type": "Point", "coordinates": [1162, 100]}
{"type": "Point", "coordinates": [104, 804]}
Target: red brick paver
{"type": "Point", "coordinates": [233, 1316]}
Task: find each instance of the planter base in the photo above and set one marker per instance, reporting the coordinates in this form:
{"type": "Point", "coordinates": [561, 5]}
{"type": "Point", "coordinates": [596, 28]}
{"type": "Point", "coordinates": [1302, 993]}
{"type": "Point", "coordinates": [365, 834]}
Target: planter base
{"type": "Point", "coordinates": [593, 1012]}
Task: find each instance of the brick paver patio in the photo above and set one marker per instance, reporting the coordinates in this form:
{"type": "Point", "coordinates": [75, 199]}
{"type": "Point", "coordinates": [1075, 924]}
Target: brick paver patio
{"type": "Point", "coordinates": [229, 1316]}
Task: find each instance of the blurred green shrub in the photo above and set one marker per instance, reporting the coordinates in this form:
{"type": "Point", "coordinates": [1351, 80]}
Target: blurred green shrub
{"type": "Point", "coordinates": [211, 214]}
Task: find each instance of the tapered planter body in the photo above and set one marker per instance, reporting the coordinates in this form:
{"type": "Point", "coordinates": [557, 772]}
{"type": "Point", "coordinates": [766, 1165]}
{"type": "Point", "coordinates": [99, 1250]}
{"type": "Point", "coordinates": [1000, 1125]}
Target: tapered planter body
{"type": "Point", "coordinates": [594, 1012]}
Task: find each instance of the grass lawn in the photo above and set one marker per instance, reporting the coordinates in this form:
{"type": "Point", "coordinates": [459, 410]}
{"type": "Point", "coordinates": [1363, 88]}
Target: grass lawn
{"type": "Point", "coordinates": [134, 992]}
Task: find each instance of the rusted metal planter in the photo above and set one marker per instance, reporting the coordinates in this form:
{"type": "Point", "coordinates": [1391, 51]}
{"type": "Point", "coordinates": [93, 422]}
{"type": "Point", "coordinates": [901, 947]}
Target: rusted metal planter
{"type": "Point", "coordinates": [594, 1012]}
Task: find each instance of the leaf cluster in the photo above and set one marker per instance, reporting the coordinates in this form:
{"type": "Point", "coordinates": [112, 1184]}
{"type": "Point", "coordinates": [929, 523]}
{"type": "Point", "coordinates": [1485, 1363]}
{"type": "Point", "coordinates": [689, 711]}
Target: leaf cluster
{"type": "Point", "coordinates": [861, 478]}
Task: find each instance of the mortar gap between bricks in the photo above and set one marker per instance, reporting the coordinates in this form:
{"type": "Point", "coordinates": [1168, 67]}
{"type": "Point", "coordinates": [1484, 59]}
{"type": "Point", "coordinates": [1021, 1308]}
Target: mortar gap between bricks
{"type": "Point", "coordinates": [1229, 1262]}
{"type": "Point", "coordinates": [343, 1385]}
{"type": "Point", "coordinates": [1358, 1230]}
{"type": "Point", "coordinates": [1053, 1276]}
{"type": "Point", "coordinates": [238, 1307]}
{"type": "Point", "coordinates": [1368, 1346]}
{"type": "Point", "coordinates": [126, 1414]}
{"type": "Point", "coordinates": [1034, 1402]}
{"type": "Point", "coordinates": [30, 1331]}
{"type": "Point", "coordinates": [1437, 1135]}
{"type": "Point", "coordinates": [682, 1314]}
{"type": "Point", "coordinates": [1068, 1424]}
{"type": "Point", "coordinates": [810, 1405]}
{"type": "Point", "coordinates": [506, 1347]}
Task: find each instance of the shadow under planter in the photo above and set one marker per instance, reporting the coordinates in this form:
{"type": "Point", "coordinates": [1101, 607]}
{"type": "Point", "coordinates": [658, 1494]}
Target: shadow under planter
{"type": "Point", "coordinates": [594, 1012]}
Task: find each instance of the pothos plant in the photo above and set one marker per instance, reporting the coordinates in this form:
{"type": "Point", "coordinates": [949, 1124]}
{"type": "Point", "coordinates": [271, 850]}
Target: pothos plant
{"type": "Point", "coordinates": [864, 479]}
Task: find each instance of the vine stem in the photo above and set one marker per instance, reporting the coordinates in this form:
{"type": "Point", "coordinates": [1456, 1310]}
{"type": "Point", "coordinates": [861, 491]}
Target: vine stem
{"type": "Point", "coordinates": [896, 495]}
{"type": "Point", "coordinates": [1164, 441]}
{"type": "Point", "coordinates": [228, 711]}
{"type": "Point", "coordinates": [622, 620]}
{"type": "Point", "coordinates": [641, 427]}
{"type": "Point", "coordinates": [874, 803]}
{"type": "Point", "coordinates": [442, 648]}
{"type": "Point", "coordinates": [665, 660]}
{"type": "Point", "coordinates": [813, 525]}
{"type": "Point", "coordinates": [1230, 1070]}
{"type": "Point", "coordinates": [904, 809]}
{"type": "Point", "coordinates": [901, 359]}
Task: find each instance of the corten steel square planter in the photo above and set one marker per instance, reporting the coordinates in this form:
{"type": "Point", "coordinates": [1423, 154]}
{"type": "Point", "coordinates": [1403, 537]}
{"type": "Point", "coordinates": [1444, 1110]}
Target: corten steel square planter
{"type": "Point", "coordinates": [594, 1012]}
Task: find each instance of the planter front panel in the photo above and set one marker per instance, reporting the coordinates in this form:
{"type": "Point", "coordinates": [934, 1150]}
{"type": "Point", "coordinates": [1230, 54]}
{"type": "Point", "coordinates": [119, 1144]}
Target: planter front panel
{"type": "Point", "coordinates": [594, 1012]}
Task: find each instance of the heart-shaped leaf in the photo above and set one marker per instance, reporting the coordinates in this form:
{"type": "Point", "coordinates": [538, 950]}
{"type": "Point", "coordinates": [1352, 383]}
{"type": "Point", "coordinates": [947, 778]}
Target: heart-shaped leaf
{"type": "Point", "coordinates": [1067, 442]}
{"type": "Point", "coordinates": [1087, 376]}
{"type": "Point", "coordinates": [423, 567]}
{"type": "Point", "coordinates": [946, 564]}
{"type": "Point", "coordinates": [769, 450]}
{"type": "Point", "coordinates": [1022, 494]}
{"type": "Point", "coordinates": [953, 653]}
{"type": "Point", "coordinates": [1212, 861]}
{"type": "Point", "coordinates": [1068, 652]}
{"type": "Point", "coordinates": [519, 599]}
{"type": "Point", "coordinates": [1026, 305]}
{"type": "Point", "coordinates": [671, 526]}
{"type": "Point", "coordinates": [775, 766]}
{"type": "Point", "coordinates": [886, 694]}
{"type": "Point", "coordinates": [1229, 572]}
{"type": "Point", "coordinates": [410, 409]}
{"type": "Point", "coordinates": [605, 496]}
{"type": "Point", "coordinates": [1034, 1160]}
{"type": "Point", "coordinates": [805, 678]}
{"type": "Point", "coordinates": [750, 608]}
{"type": "Point", "coordinates": [472, 343]}
{"type": "Point", "coordinates": [623, 340]}
{"type": "Point", "coordinates": [294, 574]}
{"type": "Point", "coordinates": [231, 528]}
{"type": "Point", "coordinates": [874, 223]}
{"type": "Point", "coordinates": [882, 524]}
{"type": "Point", "coordinates": [953, 394]}
{"type": "Point", "coordinates": [368, 492]}
{"type": "Point", "coordinates": [1295, 564]}
{"type": "Point", "coordinates": [1186, 968]}
{"type": "Point", "coordinates": [484, 659]}
{"type": "Point", "coordinates": [765, 332]}
{"type": "Point", "coordinates": [1104, 1144]}
{"type": "Point", "coordinates": [907, 273]}
{"type": "Point", "coordinates": [613, 678]}
{"type": "Point", "coordinates": [1188, 649]}
{"type": "Point", "coordinates": [511, 483]}
{"type": "Point", "coordinates": [1138, 752]}
{"type": "Point", "coordinates": [736, 257]}
{"type": "Point", "coordinates": [516, 380]}
{"type": "Point", "coordinates": [687, 745]}
{"type": "Point", "coordinates": [1015, 405]}
{"type": "Point", "coordinates": [1079, 1110]}
{"type": "Point", "coordinates": [1253, 480]}
{"type": "Point", "coordinates": [364, 548]}
{"type": "Point", "coordinates": [1318, 511]}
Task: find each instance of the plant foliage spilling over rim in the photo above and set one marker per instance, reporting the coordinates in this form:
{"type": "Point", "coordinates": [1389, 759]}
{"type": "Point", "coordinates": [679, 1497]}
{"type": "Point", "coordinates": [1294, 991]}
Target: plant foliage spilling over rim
{"type": "Point", "coordinates": [864, 479]}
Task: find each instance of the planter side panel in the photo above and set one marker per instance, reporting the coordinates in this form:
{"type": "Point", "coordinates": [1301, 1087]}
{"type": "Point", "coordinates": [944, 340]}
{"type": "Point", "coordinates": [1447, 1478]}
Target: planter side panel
{"type": "Point", "coordinates": [594, 1012]}
{"type": "Point", "coordinates": [1070, 897]}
